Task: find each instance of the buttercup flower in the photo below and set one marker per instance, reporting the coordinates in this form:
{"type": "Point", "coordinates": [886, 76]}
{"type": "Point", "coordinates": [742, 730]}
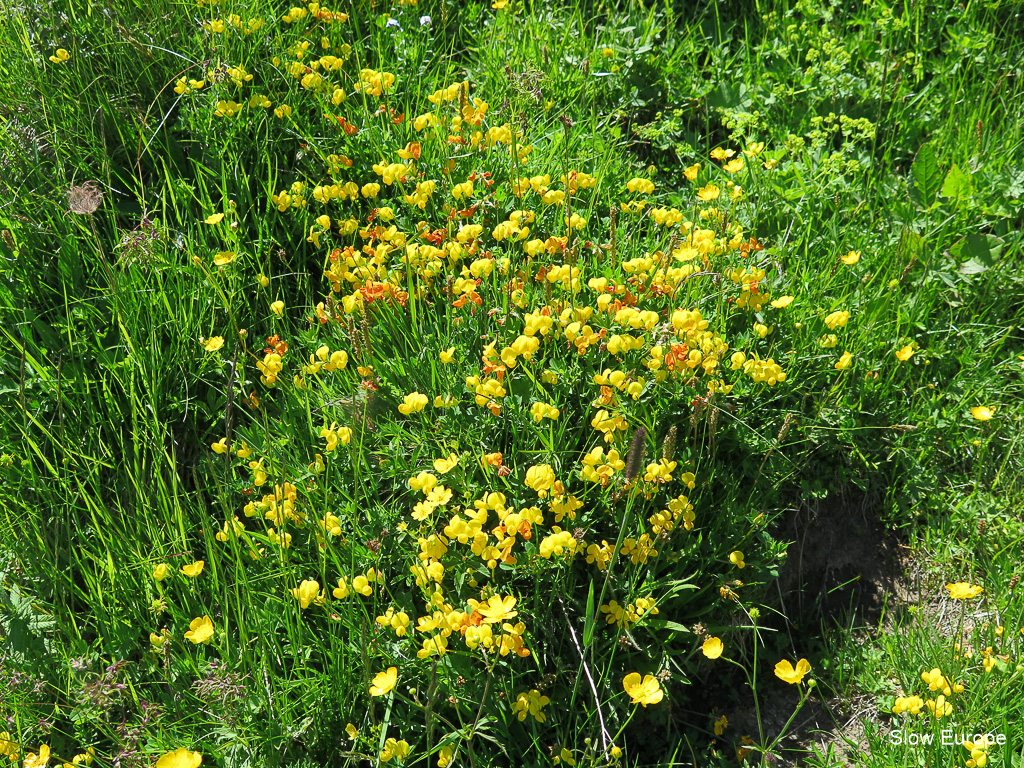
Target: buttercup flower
{"type": "Point", "coordinates": [180, 758]}
{"type": "Point", "coordinates": [982, 413]}
{"type": "Point", "coordinates": [851, 258]}
{"type": "Point", "coordinates": [784, 671]}
{"type": "Point", "coordinates": [384, 681]}
{"type": "Point", "coordinates": [194, 569]}
{"type": "Point", "coordinates": [712, 647]}
{"type": "Point", "coordinates": [736, 558]}
{"type": "Point", "coordinates": [905, 353]}
{"type": "Point", "coordinates": [962, 590]}
{"type": "Point", "coordinates": [647, 691]}
{"type": "Point", "coordinates": [161, 571]}
{"type": "Point", "coordinates": [200, 630]}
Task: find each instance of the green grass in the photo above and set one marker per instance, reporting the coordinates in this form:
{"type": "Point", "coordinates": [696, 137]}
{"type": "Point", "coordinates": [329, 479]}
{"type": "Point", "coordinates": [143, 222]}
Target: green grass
{"type": "Point", "coordinates": [222, 345]}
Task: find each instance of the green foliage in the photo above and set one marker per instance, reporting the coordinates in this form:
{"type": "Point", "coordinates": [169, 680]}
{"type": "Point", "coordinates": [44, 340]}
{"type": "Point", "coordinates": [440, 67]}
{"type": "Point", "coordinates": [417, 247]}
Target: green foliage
{"type": "Point", "coordinates": [492, 344]}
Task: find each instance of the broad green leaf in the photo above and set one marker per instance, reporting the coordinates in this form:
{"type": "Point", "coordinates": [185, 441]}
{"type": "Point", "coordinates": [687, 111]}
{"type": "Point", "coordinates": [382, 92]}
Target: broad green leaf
{"type": "Point", "coordinates": [925, 178]}
{"type": "Point", "coordinates": [978, 252]}
{"type": "Point", "coordinates": [957, 184]}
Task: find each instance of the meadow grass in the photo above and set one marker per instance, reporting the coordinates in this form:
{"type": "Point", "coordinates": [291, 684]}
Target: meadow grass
{"type": "Point", "coordinates": [463, 383]}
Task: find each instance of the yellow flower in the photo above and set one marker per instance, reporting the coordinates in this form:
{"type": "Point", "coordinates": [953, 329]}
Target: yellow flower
{"type": "Point", "coordinates": [708, 193]}
{"type": "Point", "coordinates": [720, 725]}
{"type": "Point", "coordinates": [352, 731]}
{"type": "Point", "coordinates": [445, 756]}
{"type": "Point", "coordinates": [837, 319]}
{"type": "Point", "coordinates": [221, 446]}
{"type": "Point", "coordinates": [444, 466]}
{"type": "Point", "coordinates": [214, 219]}
{"type": "Point", "coordinates": [643, 692]}
{"type": "Point", "coordinates": [785, 672]}
{"type": "Point", "coordinates": [845, 361]}
{"type": "Point", "coordinates": [691, 172]}
{"type": "Point", "coordinates": [940, 707]}
{"type": "Point", "coordinates": [982, 412]}
{"type": "Point", "coordinates": [32, 760]}
{"type": "Point", "coordinates": [394, 749]}
{"type": "Point", "coordinates": [541, 478]}
{"type": "Point", "coordinates": [82, 758]}
{"type": "Point", "coordinates": [607, 52]}
{"type": "Point", "coordinates": [496, 609]}
{"type": "Point", "coordinates": [180, 758]}
{"type": "Point", "coordinates": [161, 571]}
{"type": "Point", "coordinates": [8, 747]}
{"type": "Point", "coordinates": [413, 403]}
{"type": "Point", "coordinates": [278, 308]}
{"type": "Point", "coordinates": [782, 302]}
{"type": "Point", "coordinates": [384, 681]}
{"type": "Point", "coordinates": [306, 592]}
{"type": "Point", "coordinates": [60, 57]}
{"type": "Point", "coordinates": [643, 186]}
{"type": "Point", "coordinates": [712, 647]}
{"type": "Point", "coordinates": [736, 558]}
{"type": "Point", "coordinates": [194, 569]}
{"type": "Point", "coordinates": [448, 355]}
{"type": "Point", "coordinates": [962, 590]}
{"type": "Point", "coordinates": [531, 704]}
{"type": "Point", "coordinates": [905, 354]}
{"type": "Point", "coordinates": [200, 631]}
{"type": "Point", "coordinates": [213, 343]}
{"type": "Point", "coordinates": [851, 258]}
{"type": "Point", "coordinates": [224, 258]}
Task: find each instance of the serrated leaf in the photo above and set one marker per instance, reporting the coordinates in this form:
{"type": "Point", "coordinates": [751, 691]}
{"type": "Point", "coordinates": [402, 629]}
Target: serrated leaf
{"type": "Point", "coordinates": [979, 253]}
{"type": "Point", "coordinates": [957, 184]}
{"type": "Point", "coordinates": [925, 178]}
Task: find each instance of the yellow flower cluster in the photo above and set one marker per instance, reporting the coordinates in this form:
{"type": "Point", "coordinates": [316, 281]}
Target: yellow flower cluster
{"type": "Point", "coordinates": [626, 617]}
